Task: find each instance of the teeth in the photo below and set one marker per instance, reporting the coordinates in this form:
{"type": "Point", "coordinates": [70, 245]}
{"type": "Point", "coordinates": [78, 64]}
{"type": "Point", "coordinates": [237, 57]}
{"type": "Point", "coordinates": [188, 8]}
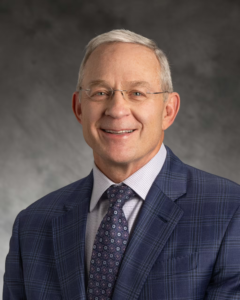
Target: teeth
{"type": "Point", "coordinates": [119, 132]}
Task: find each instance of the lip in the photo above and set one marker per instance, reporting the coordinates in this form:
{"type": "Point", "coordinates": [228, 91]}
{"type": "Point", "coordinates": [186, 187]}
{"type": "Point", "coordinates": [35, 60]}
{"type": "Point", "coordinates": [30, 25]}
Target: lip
{"type": "Point", "coordinates": [117, 131]}
{"type": "Point", "coordinates": [117, 135]}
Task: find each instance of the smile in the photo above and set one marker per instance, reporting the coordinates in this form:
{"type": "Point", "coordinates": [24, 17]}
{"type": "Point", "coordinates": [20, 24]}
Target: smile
{"type": "Point", "coordinates": [117, 131]}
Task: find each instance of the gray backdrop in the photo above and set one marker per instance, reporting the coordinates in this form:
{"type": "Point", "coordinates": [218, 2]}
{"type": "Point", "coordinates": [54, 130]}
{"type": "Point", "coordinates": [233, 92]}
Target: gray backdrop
{"type": "Point", "coordinates": [41, 46]}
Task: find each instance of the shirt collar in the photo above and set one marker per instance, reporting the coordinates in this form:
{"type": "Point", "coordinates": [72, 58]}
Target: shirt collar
{"type": "Point", "coordinates": [140, 181]}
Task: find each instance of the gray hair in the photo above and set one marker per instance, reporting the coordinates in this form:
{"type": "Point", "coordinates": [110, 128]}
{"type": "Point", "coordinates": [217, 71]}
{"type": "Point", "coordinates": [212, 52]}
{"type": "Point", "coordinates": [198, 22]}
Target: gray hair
{"type": "Point", "coordinates": [126, 36]}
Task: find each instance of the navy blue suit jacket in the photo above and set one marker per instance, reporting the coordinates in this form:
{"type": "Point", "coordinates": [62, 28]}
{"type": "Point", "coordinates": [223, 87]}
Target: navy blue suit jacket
{"type": "Point", "coordinates": [185, 245]}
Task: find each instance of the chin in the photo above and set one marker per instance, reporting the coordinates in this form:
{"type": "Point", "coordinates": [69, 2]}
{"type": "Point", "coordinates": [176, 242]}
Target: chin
{"type": "Point", "coordinates": [115, 157]}
{"type": "Point", "coordinates": [122, 160]}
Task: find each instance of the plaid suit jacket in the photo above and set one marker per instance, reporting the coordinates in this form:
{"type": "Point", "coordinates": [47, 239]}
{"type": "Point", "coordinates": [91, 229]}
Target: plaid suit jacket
{"type": "Point", "coordinates": [185, 245]}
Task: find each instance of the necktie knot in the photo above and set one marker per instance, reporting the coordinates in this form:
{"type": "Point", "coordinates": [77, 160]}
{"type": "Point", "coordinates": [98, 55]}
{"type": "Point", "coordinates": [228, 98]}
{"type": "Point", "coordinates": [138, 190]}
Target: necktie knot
{"type": "Point", "coordinates": [119, 194]}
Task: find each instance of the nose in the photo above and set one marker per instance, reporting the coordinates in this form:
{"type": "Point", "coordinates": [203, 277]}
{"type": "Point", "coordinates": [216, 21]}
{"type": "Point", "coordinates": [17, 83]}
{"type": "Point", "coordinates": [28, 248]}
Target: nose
{"type": "Point", "coordinates": [117, 106]}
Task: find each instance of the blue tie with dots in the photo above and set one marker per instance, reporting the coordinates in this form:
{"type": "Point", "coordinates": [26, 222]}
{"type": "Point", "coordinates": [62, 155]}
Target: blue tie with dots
{"type": "Point", "coordinates": [109, 245]}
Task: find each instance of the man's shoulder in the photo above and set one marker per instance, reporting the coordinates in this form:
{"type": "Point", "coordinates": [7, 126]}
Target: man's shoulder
{"type": "Point", "coordinates": [56, 202]}
{"type": "Point", "coordinates": [210, 182]}
{"type": "Point", "coordinates": [196, 178]}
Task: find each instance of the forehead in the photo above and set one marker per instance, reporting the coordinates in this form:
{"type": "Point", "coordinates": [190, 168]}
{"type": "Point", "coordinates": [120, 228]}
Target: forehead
{"type": "Point", "coordinates": [123, 62]}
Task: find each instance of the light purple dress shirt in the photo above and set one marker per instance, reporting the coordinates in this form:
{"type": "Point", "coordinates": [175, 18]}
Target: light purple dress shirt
{"type": "Point", "coordinates": [140, 181]}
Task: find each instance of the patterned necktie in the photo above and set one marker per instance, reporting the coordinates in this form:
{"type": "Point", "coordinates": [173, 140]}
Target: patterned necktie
{"type": "Point", "coordinates": [109, 245]}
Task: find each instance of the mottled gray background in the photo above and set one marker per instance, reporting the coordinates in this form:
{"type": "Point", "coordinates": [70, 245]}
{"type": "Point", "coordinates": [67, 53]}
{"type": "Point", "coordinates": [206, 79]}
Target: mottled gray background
{"type": "Point", "coordinates": [41, 46]}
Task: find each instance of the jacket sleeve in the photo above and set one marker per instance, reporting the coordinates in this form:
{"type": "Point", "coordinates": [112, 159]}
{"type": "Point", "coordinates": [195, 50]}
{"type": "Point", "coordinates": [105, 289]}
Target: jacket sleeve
{"type": "Point", "coordinates": [225, 280]}
{"type": "Point", "coordinates": [13, 288]}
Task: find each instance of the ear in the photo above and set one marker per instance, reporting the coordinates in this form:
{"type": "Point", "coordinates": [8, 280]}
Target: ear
{"type": "Point", "coordinates": [76, 107]}
{"type": "Point", "coordinates": [171, 109]}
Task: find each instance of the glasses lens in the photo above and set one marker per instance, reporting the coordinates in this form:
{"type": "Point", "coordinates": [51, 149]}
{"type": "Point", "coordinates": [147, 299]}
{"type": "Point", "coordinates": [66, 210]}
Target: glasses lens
{"type": "Point", "coordinates": [98, 93]}
{"type": "Point", "coordinates": [139, 94]}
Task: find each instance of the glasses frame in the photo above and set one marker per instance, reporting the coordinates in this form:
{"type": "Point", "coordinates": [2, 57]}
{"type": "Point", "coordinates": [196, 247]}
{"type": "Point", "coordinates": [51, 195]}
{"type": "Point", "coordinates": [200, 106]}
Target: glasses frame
{"type": "Point", "coordinates": [116, 90]}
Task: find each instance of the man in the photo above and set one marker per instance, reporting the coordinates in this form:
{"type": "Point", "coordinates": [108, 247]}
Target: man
{"type": "Point", "coordinates": [143, 225]}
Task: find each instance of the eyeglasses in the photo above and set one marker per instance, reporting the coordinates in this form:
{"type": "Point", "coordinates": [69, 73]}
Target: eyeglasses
{"type": "Point", "coordinates": [100, 93]}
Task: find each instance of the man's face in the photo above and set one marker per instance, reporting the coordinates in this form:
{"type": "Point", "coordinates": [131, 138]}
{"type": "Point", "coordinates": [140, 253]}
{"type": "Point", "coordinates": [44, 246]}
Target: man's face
{"type": "Point", "coordinates": [120, 66]}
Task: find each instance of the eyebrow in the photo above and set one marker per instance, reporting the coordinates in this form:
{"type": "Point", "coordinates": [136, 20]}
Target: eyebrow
{"type": "Point", "coordinates": [138, 83]}
{"type": "Point", "coordinates": [97, 82]}
{"type": "Point", "coordinates": [129, 83]}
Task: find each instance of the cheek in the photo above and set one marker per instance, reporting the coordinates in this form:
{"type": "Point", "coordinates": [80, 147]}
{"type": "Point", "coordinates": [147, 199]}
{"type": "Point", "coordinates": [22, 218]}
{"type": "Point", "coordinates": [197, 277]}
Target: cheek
{"type": "Point", "coordinates": [150, 117]}
{"type": "Point", "coordinates": [89, 113]}
{"type": "Point", "coordinates": [90, 118]}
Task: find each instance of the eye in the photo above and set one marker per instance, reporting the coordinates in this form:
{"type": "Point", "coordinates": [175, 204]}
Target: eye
{"type": "Point", "coordinates": [137, 95]}
{"type": "Point", "coordinates": [98, 93]}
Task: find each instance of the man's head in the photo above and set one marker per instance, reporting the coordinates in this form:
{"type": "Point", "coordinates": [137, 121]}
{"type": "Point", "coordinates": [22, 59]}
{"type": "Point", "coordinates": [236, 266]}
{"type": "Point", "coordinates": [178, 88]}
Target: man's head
{"type": "Point", "coordinates": [126, 36]}
{"type": "Point", "coordinates": [124, 129]}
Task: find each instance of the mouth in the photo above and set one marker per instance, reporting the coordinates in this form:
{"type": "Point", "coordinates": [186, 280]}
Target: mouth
{"type": "Point", "coordinates": [118, 131]}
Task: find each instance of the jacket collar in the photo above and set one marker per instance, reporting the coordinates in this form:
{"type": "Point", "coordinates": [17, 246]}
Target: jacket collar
{"type": "Point", "coordinates": [172, 180]}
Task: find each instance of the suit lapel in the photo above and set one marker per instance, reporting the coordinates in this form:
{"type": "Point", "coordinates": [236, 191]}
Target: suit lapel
{"type": "Point", "coordinates": [69, 241]}
{"type": "Point", "coordinates": [156, 221]}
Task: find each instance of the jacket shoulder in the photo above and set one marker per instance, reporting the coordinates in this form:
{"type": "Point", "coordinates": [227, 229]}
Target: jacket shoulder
{"type": "Point", "coordinates": [213, 183]}
{"type": "Point", "coordinates": [54, 203]}
{"type": "Point", "coordinates": [200, 181]}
